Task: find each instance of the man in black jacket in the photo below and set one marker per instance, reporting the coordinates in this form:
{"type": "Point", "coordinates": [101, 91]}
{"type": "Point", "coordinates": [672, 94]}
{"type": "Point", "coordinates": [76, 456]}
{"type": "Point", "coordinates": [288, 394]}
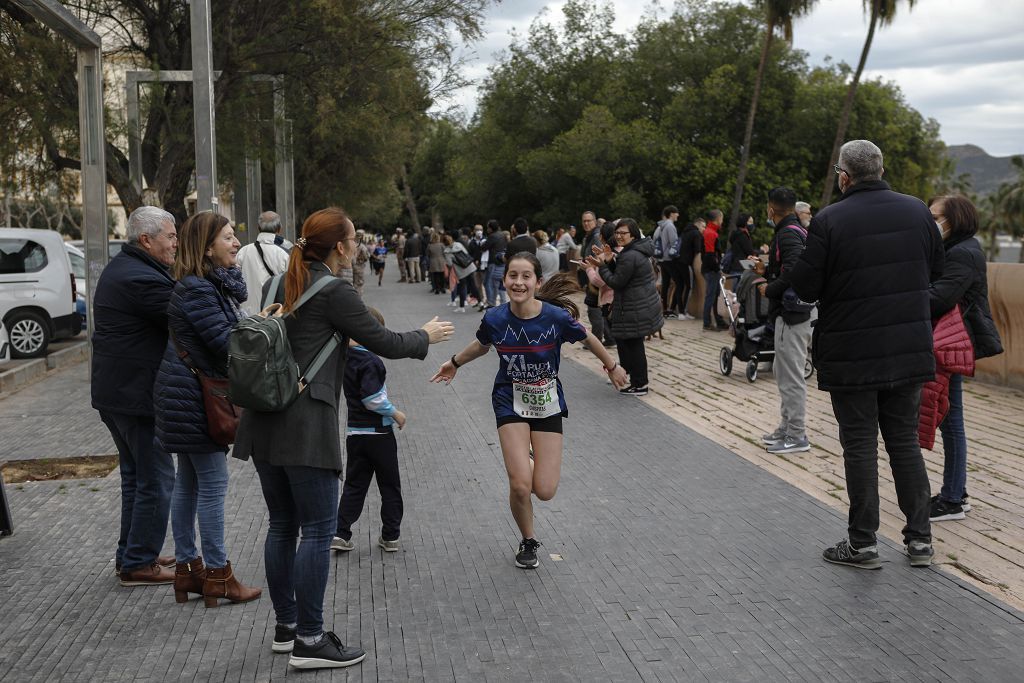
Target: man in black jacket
{"type": "Point", "coordinates": [412, 252]}
{"type": "Point", "coordinates": [792, 322]}
{"type": "Point", "coordinates": [591, 239]}
{"type": "Point", "coordinates": [868, 262]}
{"type": "Point", "coordinates": [130, 307]}
{"type": "Point", "coordinates": [522, 240]}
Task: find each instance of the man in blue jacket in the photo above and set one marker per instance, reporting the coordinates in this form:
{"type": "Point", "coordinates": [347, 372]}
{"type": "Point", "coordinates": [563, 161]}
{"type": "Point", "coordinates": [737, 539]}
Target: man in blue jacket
{"type": "Point", "coordinates": [868, 263]}
{"type": "Point", "coordinates": [130, 307]}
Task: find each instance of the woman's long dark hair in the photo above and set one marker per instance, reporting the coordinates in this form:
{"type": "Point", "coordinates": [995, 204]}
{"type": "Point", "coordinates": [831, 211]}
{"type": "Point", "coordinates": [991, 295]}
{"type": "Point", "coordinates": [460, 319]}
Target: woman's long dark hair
{"type": "Point", "coordinates": [556, 290]}
{"type": "Point", "coordinates": [321, 231]}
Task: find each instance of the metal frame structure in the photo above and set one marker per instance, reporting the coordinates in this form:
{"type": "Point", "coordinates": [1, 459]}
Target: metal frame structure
{"type": "Point", "coordinates": [92, 138]}
{"type": "Point", "coordinates": [284, 173]}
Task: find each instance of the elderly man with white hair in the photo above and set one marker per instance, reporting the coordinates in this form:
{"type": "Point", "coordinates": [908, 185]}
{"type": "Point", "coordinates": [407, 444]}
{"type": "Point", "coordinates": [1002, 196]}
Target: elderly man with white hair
{"type": "Point", "coordinates": [130, 311]}
{"type": "Point", "coordinates": [868, 263]}
{"type": "Point", "coordinates": [261, 260]}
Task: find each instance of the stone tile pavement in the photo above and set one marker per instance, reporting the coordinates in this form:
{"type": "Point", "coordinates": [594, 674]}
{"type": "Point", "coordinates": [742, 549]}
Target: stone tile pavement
{"type": "Point", "coordinates": [666, 557]}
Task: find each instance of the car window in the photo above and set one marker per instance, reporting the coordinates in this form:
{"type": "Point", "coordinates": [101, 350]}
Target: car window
{"type": "Point", "coordinates": [21, 256]}
{"type": "Point", "coordinates": [77, 266]}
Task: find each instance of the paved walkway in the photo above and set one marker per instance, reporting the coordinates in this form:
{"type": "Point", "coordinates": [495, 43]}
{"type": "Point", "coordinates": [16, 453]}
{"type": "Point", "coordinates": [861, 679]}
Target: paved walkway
{"type": "Point", "coordinates": [666, 557]}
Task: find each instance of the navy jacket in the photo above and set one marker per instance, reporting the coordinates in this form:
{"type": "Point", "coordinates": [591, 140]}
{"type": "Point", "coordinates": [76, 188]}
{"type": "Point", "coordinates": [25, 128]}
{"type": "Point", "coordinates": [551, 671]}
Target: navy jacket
{"type": "Point", "coordinates": [130, 311]}
{"type": "Point", "coordinates": [200, 317]}
{"type": "Point", "coordinates": [868, 262]}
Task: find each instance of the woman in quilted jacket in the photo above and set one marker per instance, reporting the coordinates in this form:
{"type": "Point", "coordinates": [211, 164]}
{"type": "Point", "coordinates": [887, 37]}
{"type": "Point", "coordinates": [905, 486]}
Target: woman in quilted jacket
{"type": "Point", "coordinates": [203, 308]}
{"type": "Point", "coordinates": [963, 282]}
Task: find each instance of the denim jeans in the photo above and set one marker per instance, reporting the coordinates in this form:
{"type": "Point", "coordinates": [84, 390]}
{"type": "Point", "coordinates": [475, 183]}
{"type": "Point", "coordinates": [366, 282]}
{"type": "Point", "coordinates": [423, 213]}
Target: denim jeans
{"type": "Point", "coordinates": [954, 444]}
{"type": "Point", "coordinates": [495, 279]}
{"type": "Point", "coordinates": [297, 498]}
{"type": "Point", "coordinates": [711, 297]}
{"type": "Point", "coordinates": [147, 479]}
{"type": "Point", "coordinates": [860, 414]}
{"type": "Point", "coordinates": [199, 491]}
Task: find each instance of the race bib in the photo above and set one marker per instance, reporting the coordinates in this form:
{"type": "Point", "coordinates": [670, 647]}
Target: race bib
{"type": "Point", "coordinates": [536, 400]}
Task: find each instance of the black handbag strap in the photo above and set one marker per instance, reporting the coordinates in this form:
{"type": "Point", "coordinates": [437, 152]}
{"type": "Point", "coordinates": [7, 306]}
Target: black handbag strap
{"type": "Point", "coordinates": [259, 248]}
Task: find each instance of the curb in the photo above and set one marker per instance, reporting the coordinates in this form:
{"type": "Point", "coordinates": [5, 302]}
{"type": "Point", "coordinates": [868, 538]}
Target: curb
{"type": "Point", "coordinates": [18, 377]}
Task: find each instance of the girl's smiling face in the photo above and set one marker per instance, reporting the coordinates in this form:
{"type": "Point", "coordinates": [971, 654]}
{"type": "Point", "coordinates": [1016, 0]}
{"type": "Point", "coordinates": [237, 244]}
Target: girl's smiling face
{"type": "Point", "coordinates": [520, 280]}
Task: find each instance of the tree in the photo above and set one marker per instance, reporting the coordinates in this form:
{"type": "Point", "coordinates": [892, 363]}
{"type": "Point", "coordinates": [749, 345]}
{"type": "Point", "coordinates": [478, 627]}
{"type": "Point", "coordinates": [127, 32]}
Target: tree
{"type": "Point", "coordinates": [777, 14]}
{"type": "Point", "coordinates": [882, 12]}
{"type": "Point", "coordinates": [1006, 208]}
{"type": "Point", "coordinates": [359, 76]}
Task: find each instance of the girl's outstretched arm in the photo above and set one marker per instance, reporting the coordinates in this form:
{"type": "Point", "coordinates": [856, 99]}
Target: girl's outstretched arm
{"type": "Point", "coordinates": [446, 373]}
{"type": "Point", "coordinates": [614, 370]}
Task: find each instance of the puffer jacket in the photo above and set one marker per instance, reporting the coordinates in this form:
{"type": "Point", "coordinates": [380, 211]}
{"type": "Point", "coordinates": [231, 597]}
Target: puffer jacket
{"type": "Point", "coordinates": [868, 262]}
{"type": "Point", "coordinates": [954, 355]}
{"type": "Point", "coordinates": [964, 281]}
{"type": "Point", "coordinates": [636, 309]}
{"type": "Point", "coordinates": [200, 317]}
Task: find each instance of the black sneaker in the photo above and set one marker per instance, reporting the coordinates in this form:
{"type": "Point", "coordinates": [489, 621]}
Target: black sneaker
{"type": "Point", "coordinates": [920, 553]}
{"type": "Point", "coordinates": [610, 344]}
{"type": "Point", "coordinates": [526, 558]}
{"type": "Point", "coordinates": [633, 391]}
{"type": "Point", "coordinates": [284, 639]}
{"type": "Point", "coordinates": [329, 653]}
{"type": "Point", "coordinates": [942, 511]}
{"type": "Point", "coordinates": [965, 502]}
{"type": "Point", "coordinates": [844, 553]}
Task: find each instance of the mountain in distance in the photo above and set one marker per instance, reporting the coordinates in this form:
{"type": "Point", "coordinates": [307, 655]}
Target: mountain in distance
{"type": "Point", "coordinates": [987, 172]}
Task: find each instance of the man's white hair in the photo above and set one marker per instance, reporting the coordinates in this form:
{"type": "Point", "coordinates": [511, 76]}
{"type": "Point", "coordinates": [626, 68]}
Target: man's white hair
{"type": "Point", "coordinates": [802, 206]}
{"type": "Point", "coordinates": [862, 160]}
{"type": "Point", "coordinates": [147, 220]}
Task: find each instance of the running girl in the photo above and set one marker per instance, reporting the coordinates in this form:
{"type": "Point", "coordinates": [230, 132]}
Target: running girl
{"type": "Point", "coordinates": [528, 333]}
{"type": "Point", "coordinates": [379, 259]}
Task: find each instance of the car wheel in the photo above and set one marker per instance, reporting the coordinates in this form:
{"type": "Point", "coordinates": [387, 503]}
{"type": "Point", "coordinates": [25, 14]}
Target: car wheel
{"type": "Point", "coordinates": [725, 361]}
{"type": "Point", "coordinates": [752, 371]}
{"type": "Point", "coordinates": [29, 334]}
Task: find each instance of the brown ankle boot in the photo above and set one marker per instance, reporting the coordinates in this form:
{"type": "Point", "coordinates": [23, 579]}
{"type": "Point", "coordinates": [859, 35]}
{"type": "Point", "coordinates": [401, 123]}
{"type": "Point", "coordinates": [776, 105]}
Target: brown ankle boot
{"type": "Point", "coordinates": [188, 578]}
{"type": "Point", "coordinates": [221, 583]}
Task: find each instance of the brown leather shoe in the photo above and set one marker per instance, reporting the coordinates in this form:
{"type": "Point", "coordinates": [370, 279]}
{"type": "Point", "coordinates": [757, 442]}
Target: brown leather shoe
{"type": "Point", "coordinates": [221, 583]}
{"type": "Point", "coordinates": [188, 578]}
{"type": "Point", "coordinates": [165, 561]}
{"type": "Point", "coordinates": [153, 575]}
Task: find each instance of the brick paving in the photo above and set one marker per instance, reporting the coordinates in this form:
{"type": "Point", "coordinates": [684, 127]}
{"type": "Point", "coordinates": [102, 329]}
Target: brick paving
{"type": "Point", "coordinates": [666, 557]}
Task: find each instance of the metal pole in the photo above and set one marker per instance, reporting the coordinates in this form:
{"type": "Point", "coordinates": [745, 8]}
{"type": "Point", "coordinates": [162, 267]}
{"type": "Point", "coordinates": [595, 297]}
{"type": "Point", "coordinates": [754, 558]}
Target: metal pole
{"type": "Point", "coordinates": [253, 194]}
{"type": "Point", "coordinates": [94, 173]}
{"type": "Point", "coordinates": [202, 94]}
{"type": "Point", "coordinates": [131, 98]}
{"type": "Point", "coordinates": [284, 171]}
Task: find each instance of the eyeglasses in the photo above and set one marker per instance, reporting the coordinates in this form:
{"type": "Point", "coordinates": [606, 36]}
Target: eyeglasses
{"type": "Point", "coordinates": [621, 233]}
{"type": "Point", "coordinates": [840, 170]}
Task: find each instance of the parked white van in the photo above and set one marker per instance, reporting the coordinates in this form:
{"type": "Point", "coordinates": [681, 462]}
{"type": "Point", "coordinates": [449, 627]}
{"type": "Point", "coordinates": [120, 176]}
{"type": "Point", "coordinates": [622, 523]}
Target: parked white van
{"type": "Point", "coordinates": [37, 290]}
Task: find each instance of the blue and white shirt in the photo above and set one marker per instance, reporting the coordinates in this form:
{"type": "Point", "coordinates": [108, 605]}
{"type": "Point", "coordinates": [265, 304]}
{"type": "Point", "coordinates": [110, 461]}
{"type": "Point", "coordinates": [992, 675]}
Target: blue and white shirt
{"type": "Point", "coordinates": [370, 410]}
{"type": "Point", "coordinates": [529, 350]}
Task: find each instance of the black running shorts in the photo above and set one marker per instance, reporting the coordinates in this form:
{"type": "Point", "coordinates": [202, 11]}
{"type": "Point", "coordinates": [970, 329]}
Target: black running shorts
{"type": "Point", "coordinates": [544, 424]}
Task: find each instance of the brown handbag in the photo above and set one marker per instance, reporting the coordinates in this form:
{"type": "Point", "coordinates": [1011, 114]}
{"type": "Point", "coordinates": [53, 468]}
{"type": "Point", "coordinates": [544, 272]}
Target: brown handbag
{"type": "Point", "coordinates": [222, 415]}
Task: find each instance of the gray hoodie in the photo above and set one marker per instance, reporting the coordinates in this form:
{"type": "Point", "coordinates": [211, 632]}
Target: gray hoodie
{"type": "Point", "coordinates": [667, 234]}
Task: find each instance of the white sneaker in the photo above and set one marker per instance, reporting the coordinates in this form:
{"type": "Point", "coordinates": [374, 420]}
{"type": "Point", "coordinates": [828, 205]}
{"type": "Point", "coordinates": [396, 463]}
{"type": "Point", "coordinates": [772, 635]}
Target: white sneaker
{"type": "Point", "coordinates": [340, 544]}
{"type": "Point", "coordinates": [460, 309]}
{"type": "Point", "coordinates": [451, 303]}
{"type": "Point", "coordinates": [687, 316]}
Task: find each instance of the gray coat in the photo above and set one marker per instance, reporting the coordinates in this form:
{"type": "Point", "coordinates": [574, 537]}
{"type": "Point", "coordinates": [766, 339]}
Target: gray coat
{"type": "Point", "coordinates": [308, 432]}
{"type": "Point", "coordinates": [636, 309]}
{"type": "Point", "coordinates": [435, 252]}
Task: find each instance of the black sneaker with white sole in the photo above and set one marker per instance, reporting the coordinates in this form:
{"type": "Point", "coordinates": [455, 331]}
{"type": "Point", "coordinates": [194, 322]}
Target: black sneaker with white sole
{"type": "Point", "coordinates": [965, 503]}
{"type": "Point", "coordinates": [944, 511]}
{"type": "Point", "coordinates": [861, 558]}
{"type": "Point", "coordinates": [284, 639]}
{"type": "Point", "coordinates": [526, 558]}
{"type": "Point", "coordinates": [329, 653]}
{"type": "Point", "coordinates": [634, 391]}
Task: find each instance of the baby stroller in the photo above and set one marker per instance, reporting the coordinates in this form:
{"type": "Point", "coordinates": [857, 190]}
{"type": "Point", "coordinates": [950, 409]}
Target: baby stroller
{"type": "Point", "coordinates": [754, 333]}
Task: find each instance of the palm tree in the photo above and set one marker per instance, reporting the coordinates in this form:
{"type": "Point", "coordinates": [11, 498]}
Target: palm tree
{"type": "Point", "coordinates": [882, 14]}
{"type": "Point", "coordinates": [1008, 206]}
{"type": "Point", "coordinates": [778, 14]}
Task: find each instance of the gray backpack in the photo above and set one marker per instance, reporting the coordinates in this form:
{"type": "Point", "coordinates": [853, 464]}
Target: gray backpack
{"type": "Point", "coordinates": [262, 374]}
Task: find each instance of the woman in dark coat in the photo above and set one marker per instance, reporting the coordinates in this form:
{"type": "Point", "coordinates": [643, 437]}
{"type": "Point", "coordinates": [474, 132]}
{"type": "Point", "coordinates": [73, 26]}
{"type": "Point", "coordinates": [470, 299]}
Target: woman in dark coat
{"type": "Point", "coordinates": [964, 281]}
{"type": "Point", "coordinates": [203, 308]}
{"type": "Point", "coordinates": [297, 451]}
{"type": "Point", "coordinates": [435, 256]}
{"type": "Point", "coordinates": [636, 309]}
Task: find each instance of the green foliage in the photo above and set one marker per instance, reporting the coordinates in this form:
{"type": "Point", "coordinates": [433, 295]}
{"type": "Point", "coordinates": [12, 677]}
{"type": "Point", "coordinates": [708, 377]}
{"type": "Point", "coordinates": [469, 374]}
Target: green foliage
{"type": "Point", "coordinates": [577, 118]}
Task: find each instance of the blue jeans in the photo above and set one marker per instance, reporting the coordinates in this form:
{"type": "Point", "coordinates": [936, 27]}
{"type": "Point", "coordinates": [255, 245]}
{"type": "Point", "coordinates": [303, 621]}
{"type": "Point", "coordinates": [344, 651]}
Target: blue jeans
{"type": "Point", "coordinates": [147, 479]}
{"type": "Point", "coordinates": [710, 298]}
{"type": "Point", "coordinates": [495, 280]}
{"type": "Point", "coordinates": [954, 444]}
{"type": "Point", "coordinates": [199, 491]}
{"type": "Point", "coordinates": [297, 498]}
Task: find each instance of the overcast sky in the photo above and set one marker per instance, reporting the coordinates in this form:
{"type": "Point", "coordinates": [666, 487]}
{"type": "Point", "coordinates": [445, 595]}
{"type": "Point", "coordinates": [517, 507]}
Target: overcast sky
{"type": "Point", "coordinates": [960, 62]}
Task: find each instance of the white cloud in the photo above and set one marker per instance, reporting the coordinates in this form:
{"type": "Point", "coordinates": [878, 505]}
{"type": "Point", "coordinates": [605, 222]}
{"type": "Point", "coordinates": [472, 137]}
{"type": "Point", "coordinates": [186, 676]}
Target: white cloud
{"type": "Point", "coordinates": [961, 63]}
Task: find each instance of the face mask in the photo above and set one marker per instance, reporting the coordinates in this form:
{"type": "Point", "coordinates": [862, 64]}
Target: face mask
{"type": "Point", "coordinates": [479, 234]}
{"type": "Point", "coordinates": [770, 222]}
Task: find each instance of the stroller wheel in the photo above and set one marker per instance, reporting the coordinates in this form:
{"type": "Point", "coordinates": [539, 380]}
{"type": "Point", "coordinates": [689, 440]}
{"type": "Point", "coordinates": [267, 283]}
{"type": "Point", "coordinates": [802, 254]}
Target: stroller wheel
{"type": "Point", "coordinates": [752, 371]}
{"type": "Point", "coordinates": [725, 361]}
{"type": "Point", "coordinates": [808, 367]}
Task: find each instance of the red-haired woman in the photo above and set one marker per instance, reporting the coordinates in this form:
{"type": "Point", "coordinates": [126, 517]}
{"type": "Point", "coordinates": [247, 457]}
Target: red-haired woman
{"type": "Point", "coordinates": [297, 451]}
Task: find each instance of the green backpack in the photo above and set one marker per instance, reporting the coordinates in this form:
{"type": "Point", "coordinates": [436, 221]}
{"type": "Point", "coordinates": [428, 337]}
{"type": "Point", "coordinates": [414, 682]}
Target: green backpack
{"type": "Point", "coordinates": [262, 374]}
